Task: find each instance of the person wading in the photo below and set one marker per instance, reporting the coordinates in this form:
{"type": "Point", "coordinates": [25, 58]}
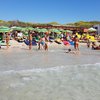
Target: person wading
{"type": "Point", "coordinates": [30, 40]}
{"type": "Point", "coordinates": [76, 43]}
{"type": "Point", "coordinates": [7, 39]}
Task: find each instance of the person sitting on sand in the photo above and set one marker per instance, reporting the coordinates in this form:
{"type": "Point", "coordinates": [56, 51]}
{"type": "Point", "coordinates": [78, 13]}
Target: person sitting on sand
{"type": "Point", "coordinates": [95, 46]}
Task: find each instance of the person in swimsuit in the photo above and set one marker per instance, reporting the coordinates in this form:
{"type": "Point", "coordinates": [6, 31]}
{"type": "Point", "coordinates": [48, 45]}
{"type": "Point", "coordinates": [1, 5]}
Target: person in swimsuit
{"type": "Point", "coordinates": [88, 43]}
{"type": "Point", "coordinates": [76, 43]}
{"type": "Point", "coordinates": [43, 42]}
{"type": "Point", "coordinates": [7, 39]}
{"type": "Point", "coordinates": [30, 40]}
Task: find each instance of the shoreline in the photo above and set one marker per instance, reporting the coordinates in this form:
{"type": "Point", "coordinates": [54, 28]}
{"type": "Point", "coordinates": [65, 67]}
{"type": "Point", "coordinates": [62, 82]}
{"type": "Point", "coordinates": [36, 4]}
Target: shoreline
{"type": "Point", "coordinates": [20, 57]}
{"type": "Point", "coordinates": [15, 44]}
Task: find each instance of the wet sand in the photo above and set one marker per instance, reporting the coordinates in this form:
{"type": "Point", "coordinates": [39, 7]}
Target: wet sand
{"type": "Point", "coordinates": [19, 57]}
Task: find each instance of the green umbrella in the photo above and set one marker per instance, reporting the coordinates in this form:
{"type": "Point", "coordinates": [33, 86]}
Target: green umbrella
{"type": "Point", "coordinates": [29, 28]}
{"type": "Point", "coordinates": [43, 30]}
{"type": "Point", "coordinates": [37, 30]}
{"type": "Point", "coordinates": [23, 29]}
{"type": "Point", "coordinates": [68, 31]}
{"type": "Point", "coordinates": [4, 29]}
{"type": "Point", "coordinates": [55, 31]}
{"type": "Point", "coordinates": [62, 30]}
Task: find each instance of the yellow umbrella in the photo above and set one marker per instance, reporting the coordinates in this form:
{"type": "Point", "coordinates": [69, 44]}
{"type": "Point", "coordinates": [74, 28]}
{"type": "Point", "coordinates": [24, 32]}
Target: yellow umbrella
{"type": "Point", "coordinates": [78, 35]}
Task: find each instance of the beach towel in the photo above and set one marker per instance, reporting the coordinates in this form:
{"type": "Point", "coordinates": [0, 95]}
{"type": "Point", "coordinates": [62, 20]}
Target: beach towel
{"type": "Point", "coordinates": [27, 42]}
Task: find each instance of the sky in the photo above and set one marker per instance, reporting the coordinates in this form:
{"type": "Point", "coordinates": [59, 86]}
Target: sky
{"type": "Point", "coordinates": [45, 11]}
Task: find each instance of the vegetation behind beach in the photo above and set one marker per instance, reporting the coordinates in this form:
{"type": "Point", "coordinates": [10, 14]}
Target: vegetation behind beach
{"type": "Point", "coordinates": [86, 24]}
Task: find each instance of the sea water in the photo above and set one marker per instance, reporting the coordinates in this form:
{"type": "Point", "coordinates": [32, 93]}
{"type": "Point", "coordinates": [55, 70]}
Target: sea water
{"type": "Point", "coordinates": [49, 75]}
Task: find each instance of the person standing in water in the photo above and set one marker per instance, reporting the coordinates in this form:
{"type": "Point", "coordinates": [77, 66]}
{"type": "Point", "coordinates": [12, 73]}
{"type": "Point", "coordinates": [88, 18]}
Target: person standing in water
{"type": "Point", "coordinates": [43, 42]}
{"type": "Point", "coordinates": [7, 39]}
{"type": "Point", "coordinates": [30, 40]}
{"type": "Point", "coordinates": [76, 43]}
{"type": "Point", "coordinates": [46, 41]}
{"type": "Point", "coordinates": [88, 42]}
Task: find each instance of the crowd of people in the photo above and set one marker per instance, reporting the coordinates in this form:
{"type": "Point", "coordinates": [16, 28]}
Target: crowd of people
{"type": "Point", "coordinates": [42, 41]}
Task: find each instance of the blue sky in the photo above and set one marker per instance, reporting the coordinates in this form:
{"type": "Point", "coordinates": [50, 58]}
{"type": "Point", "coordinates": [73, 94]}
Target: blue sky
{"type": "Point", "coordinates": [44, 11]}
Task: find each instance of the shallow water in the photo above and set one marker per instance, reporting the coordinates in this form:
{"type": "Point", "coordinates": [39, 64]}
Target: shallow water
{"type": "Point", "coordinates": [51, 75]}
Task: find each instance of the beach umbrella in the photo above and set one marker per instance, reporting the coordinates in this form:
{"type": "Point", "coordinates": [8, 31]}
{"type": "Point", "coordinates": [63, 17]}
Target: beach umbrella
{"type": "Point", "coordinates": [29, 28]}
{"type": "Point", "coordinates": [92, 30]}
{"type": "Point", "coordinates": [16, 28]}
{"type": "Point", "coordinates": [55, 31]}
{"type": "Point", "coordinates": [4, 29]}
{"type": "Point", "coordinates": [23, 29]}
{"type": "Point", "coordinates": [68, 31]}
{"type": "Point", "coordinates": [92, 38]}
{"type": "Point", "coordinates": [78, 35]}
{"type": "Point", "coordinates": [37, 29]}
{"type": "Point", "coordinates": [43, 30]}
{"type": "Point", "coordinates": [61, 30]}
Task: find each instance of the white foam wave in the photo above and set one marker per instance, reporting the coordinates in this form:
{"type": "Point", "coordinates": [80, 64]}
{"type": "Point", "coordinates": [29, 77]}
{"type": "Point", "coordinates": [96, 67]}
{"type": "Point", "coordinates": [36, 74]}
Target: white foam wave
{"type": "Point", "coordinates": [53, 69]}
{"type": "Point", "coordinates": [14, 85]}
{"type": "Point", "coordinates": [36, 70]}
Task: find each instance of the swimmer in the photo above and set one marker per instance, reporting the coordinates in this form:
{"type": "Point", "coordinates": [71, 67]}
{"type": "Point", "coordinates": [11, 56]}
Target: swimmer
{"type": "Point", "coordinates": [73, 52]}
